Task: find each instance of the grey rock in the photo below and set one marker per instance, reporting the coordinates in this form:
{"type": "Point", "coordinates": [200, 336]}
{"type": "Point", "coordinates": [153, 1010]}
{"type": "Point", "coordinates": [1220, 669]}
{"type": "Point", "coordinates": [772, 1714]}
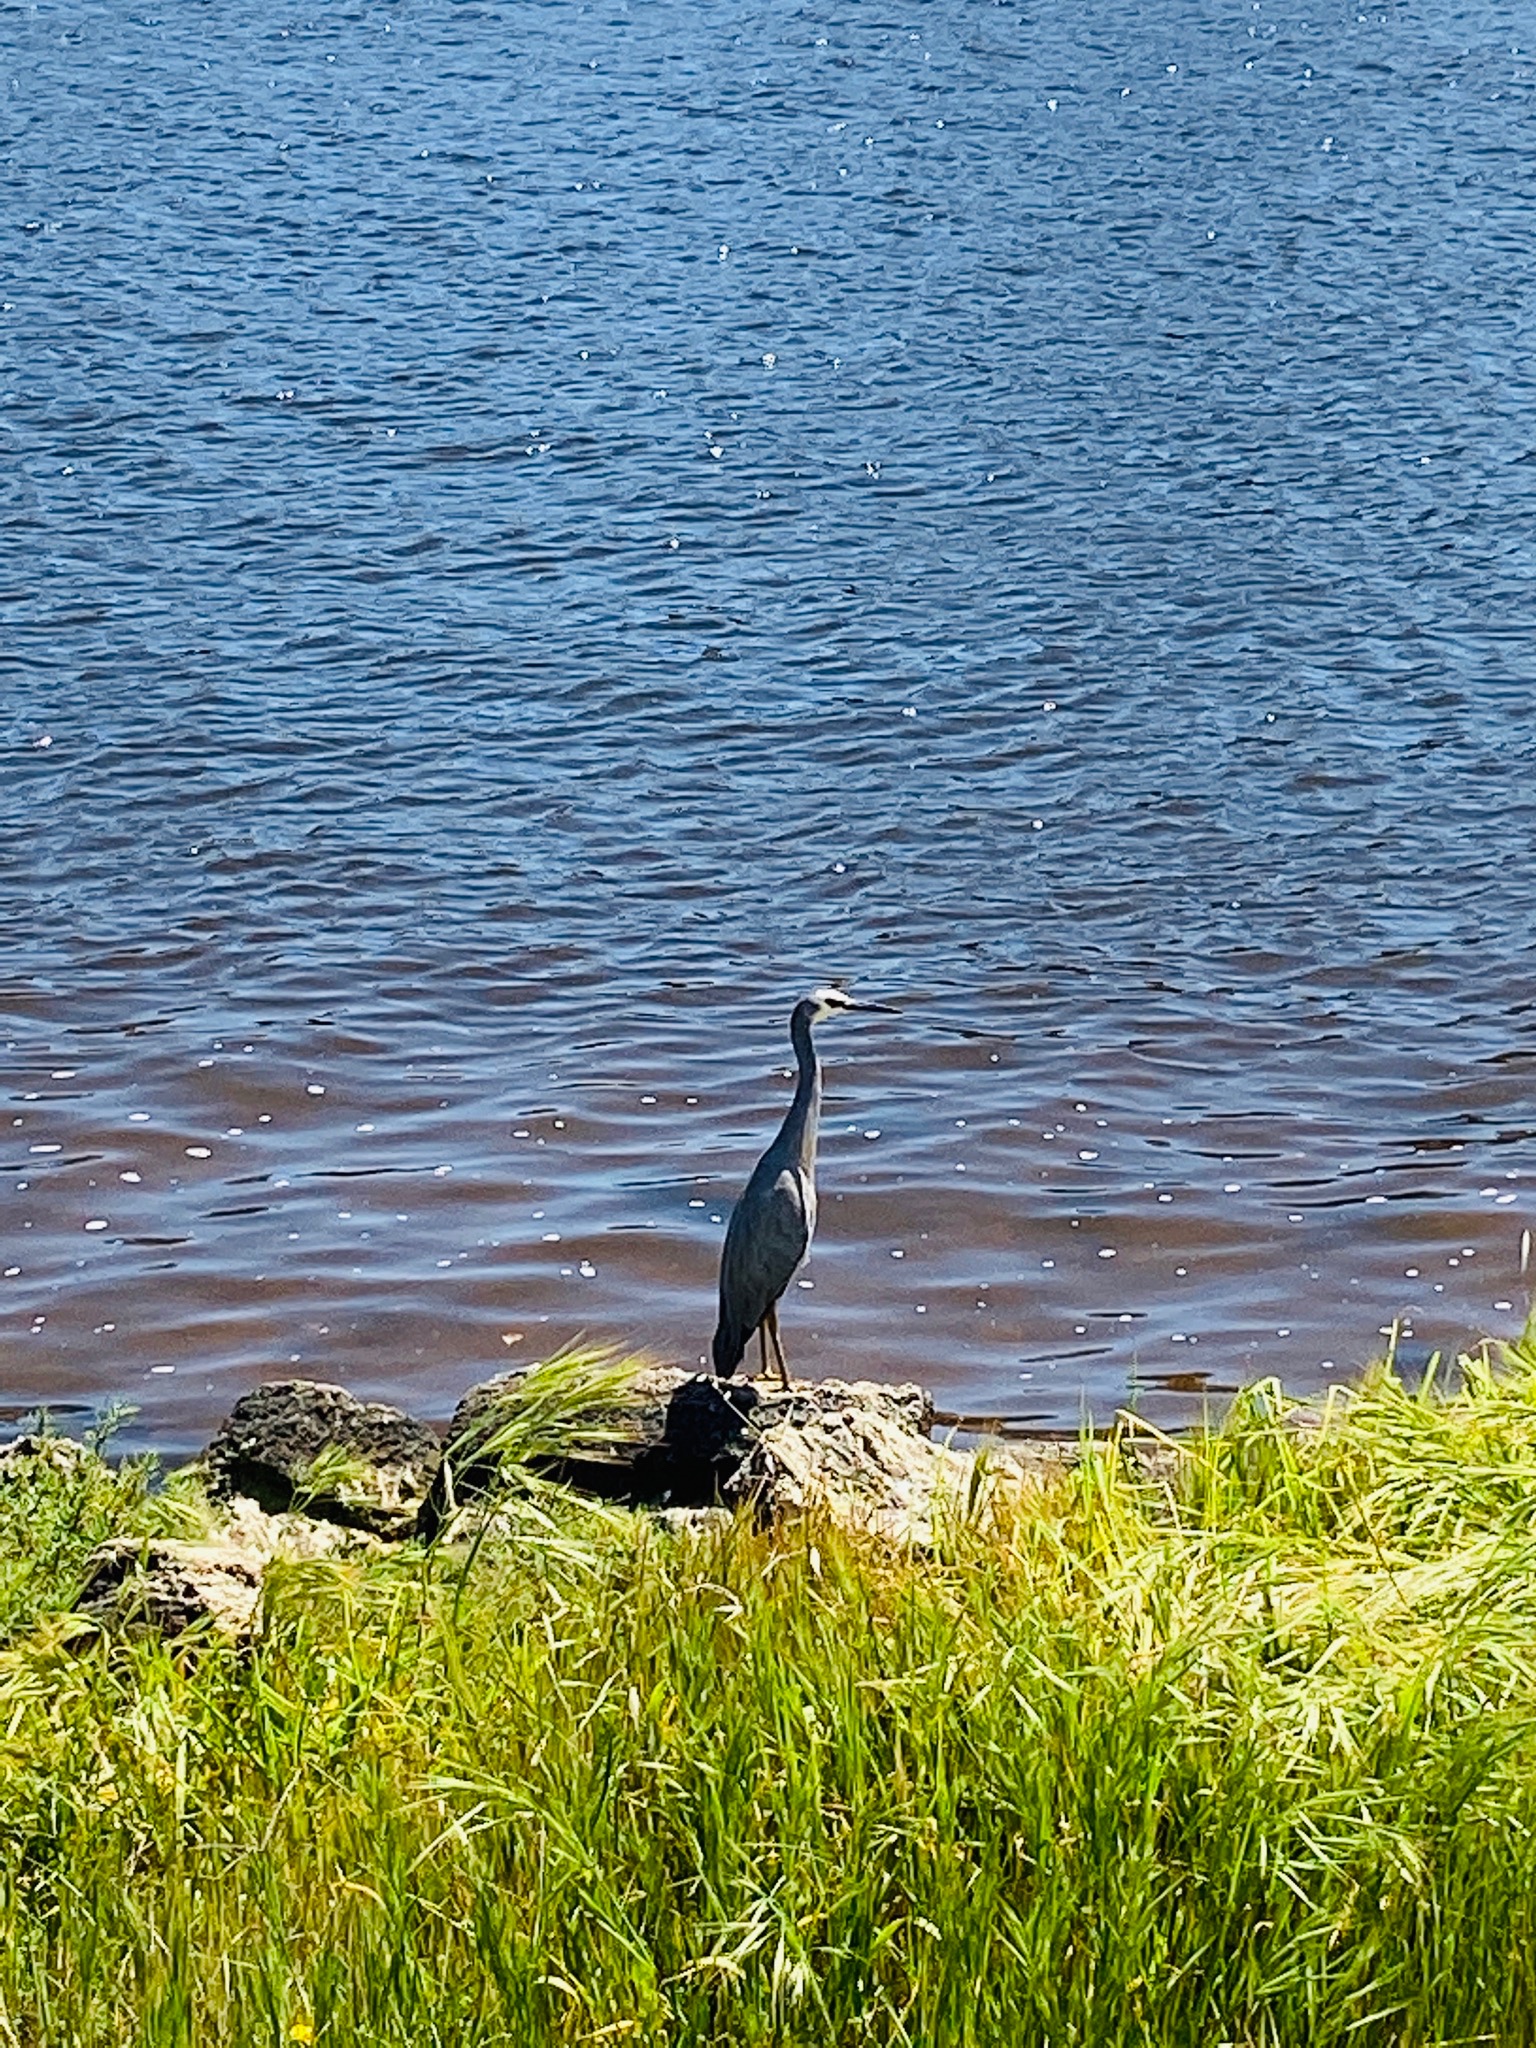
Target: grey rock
{"type": "Point", "coordinates": [242, 1525]}
{"type": "Point", "coordinates": [684, 1441]}
{"type": "Point", "coordinates": [862, 1454]}
{"type": "Point", "coordinates": [865, 1456]}
{"type": "Point", "coordinates": [905, 1408]}
{"type": "Point", "coordinates": [672, 1436]}
{"type": "Point", "coordinates": [301, 1444]}
{"type": "Point", "coordinates": [25, 1455]}
{"type": "Point", "coordinates": [174, 1587]}
{"type": "Point", "coordinates": [693, 1521]}
{"type": "Point", "coordinates": [153, 1584]}
{"type": "Point", "coordinates": [1036, 1457]}
{"type": "Point", "coordinates": [1159, 1463]}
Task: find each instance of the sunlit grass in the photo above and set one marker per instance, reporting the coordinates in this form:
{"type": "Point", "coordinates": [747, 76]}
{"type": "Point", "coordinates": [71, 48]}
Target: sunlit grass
{"type": "Point", "coordinates": [1246, 1759]}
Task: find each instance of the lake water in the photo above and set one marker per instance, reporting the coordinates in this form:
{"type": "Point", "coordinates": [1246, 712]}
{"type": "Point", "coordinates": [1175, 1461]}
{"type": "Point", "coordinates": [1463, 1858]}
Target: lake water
{"type": "Point", "coordinates": [530, 535]}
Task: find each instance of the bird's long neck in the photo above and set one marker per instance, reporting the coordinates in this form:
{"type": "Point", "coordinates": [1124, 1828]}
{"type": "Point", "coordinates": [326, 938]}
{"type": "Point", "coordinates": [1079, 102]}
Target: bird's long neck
{"type": "Point", "coordinates": [801, 1124]}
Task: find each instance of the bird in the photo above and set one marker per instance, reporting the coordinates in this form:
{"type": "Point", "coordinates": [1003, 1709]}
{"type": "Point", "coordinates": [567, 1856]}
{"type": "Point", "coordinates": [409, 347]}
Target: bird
{"type": "Point", "coordinates": [771, 1225]}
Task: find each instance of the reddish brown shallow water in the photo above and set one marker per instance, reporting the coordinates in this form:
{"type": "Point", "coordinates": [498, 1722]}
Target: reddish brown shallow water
{"type": "Point", "coordinates": [1038, 1228]}
{"type": "Point", "coordinates": [528, 538]}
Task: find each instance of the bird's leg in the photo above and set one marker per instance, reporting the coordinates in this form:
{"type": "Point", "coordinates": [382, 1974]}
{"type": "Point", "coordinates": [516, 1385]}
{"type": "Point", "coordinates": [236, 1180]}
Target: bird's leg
{"type": "Point", "coordinates": [771, 1325]}
{"type": "Point", "coordinates": [762, 1344]}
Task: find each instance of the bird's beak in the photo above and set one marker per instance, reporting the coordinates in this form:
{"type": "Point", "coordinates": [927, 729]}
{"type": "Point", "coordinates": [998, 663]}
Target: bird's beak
{"type": "Point", "coordinates": [885, 1009]}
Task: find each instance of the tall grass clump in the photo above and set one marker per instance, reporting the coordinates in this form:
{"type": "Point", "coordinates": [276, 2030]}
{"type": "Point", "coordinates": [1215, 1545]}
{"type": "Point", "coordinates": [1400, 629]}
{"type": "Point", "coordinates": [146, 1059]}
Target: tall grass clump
{"type": "Point", "coordinates": [1242, 1757]}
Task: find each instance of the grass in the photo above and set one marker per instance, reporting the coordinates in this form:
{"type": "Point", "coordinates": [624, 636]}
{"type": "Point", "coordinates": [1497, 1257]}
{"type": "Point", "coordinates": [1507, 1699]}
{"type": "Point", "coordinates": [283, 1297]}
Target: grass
{"type": "Point", "coordinates": [1253, 1761]}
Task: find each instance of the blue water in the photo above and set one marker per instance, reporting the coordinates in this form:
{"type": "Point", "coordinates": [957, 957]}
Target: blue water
{"type": "Point", "coordinates": [531, 534]}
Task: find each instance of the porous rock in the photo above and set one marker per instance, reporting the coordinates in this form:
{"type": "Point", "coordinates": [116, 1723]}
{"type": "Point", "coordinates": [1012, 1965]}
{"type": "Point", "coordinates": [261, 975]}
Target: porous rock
{"type": "Point", "coordinates": [670, 1437]}
{"type": "Point", "coordinates": [25, 1455]}
{"type": "Point", "coordinates": [302, 1443]}
{"type": "Point", "coordinates": [859, 1452]}
{"type": "Point", "coordinates": [247, 1527]}
{"type": "Point", "coordinates": [147, 1584]}
{"type": "Point", "coordinates": [683, 1440]}
{"type": "Point", "coordinates": [163, 1584]}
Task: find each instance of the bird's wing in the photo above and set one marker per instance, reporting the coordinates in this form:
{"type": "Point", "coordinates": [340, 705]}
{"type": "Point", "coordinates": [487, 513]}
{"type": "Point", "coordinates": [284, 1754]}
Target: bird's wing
{"type": "Point", "coordinates": [793, 1218]}
{"type": "Point", "coordinates": [768, 1236]}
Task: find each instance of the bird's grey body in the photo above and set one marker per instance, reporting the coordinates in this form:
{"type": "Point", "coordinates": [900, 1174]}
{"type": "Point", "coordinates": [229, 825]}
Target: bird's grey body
{"type": "Point", "coordinates": [772, 1225]}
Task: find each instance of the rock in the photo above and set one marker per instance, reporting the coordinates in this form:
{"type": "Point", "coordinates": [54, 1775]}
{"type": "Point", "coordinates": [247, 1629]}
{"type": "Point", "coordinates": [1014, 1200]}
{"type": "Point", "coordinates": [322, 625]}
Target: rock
{"type": "Point", "coordinates": [682, 1440]}
{"type": "Point", "coordinates": [25, 1455]}
{"type": "Point", "coordinates": [296, 1443]}
{"type": "Point", "coordinates": [1038, 1460]}
{"type": "Point", "coordinates": [1159, 1463]}
{"type": "Point", "coordinates": [860, 1453]}
{"type": "Point", "coordinates": [693, 1521]}
{"type": "Point", "coordinates": [905, 1407]}
{"type": "Point", "coordinates": [245, 1526]}
{"type": "Point", "coordinates": [151, 1583]}
{"type": "Point", "coordinates": [1036, 1457]}
{"type": "Point", "coordinates": [173, 1587]}
{"type": "Point", "coordinates": [672, 1436]}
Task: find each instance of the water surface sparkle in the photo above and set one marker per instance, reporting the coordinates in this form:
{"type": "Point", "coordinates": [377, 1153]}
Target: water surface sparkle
{"type": "Point", "coordinates": [533, 536]}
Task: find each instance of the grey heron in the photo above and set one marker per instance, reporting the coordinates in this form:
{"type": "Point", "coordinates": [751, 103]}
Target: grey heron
{"type": "Point", "coordinates": [771, 1226]}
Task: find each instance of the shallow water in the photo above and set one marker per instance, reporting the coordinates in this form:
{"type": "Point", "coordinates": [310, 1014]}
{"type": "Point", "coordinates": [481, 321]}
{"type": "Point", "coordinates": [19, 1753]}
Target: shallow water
{"type": "Point", "coordinates": [533, 534]}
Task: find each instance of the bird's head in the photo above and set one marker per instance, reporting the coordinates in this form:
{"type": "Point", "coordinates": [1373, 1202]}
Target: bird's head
{"type": "Point", "coordinates": [832, 1002]}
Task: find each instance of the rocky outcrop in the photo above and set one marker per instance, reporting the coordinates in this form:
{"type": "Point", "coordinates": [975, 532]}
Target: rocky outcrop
{"type": "Point", "coordinates": [858, 1452]}
{"type": "Point", "coordinates": [296, 1536]}
{"type": "Point", "coordinates": [25, 1455]}
{"type": "Point", "coordinates": [302, 1444]}
{"type": "Point", "coordinates": [305, 1470]}
{"type": "Point", "coordinates": [670, 1437]}
{"type": "Point", "coordinates": [176, 1588]}
{"type": "Point", "coordinates": [679, 1440]}
{"type": "Point", "coordinates": [864, 1454]}
{"type": "Point", "coordinates": [151, 1584]}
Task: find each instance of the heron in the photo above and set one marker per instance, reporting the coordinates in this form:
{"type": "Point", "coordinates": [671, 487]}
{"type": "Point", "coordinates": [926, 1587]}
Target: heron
{"type": "Point", "coordinates": [771, 1226]}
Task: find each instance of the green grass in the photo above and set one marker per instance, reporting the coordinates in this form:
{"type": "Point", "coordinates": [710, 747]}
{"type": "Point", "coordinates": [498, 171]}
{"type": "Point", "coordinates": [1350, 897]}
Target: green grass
{"type": "Point", "coordinates": [1254, 1762]}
